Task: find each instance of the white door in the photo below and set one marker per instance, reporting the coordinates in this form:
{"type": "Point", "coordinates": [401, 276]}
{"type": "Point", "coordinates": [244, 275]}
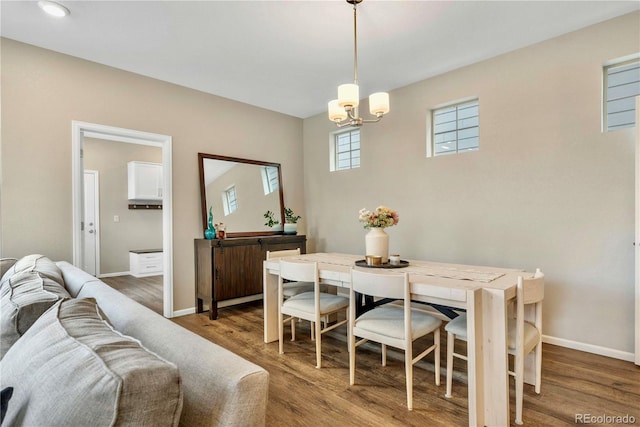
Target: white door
{"type": "Point", "coordinates": [90, 231]}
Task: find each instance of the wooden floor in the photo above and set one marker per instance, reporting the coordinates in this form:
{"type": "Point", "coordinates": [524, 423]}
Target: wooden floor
{"type": "Point", "coordinates": [145, 290]}
{"type": "Point", "coordinates": [573, 382]}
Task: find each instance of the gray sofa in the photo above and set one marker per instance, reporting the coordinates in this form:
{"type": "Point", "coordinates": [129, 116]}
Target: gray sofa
{"type": "Point", "coordinates": [219, 388]}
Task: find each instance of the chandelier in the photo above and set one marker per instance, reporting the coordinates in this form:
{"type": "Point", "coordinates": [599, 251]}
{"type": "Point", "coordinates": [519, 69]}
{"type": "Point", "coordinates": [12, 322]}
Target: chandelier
{"type": "Point", "coordinates": [344, 110]}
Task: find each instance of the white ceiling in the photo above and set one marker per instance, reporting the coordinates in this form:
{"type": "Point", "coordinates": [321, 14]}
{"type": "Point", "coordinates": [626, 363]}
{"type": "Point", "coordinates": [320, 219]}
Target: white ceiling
{"type": "Point", "coordinates": [289, 56]}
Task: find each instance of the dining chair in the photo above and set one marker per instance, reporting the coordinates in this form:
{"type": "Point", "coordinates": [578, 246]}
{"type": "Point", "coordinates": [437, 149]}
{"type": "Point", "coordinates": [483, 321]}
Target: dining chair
{"type": "Point", "coordinates": [390, 324]}
{"type": "Point", "coordinates": [295, 288]}
{"type": "Point", "coordinates": [523, 336]}
{"type": "Point", "coordinates": [291, 288]}
{"type": "Point", "coordinates": [311, 306]}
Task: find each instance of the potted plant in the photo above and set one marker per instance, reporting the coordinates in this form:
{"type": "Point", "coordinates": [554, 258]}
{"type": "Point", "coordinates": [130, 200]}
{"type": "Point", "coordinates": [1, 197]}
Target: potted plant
{"type": "Point", "coordinates": [290, 221]}
{"type": "Point", "coordinates": [271, 221]}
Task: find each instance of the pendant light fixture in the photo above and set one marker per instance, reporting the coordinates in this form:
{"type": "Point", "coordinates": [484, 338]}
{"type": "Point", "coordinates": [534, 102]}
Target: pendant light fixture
{"type": "Point", "coordinates": [344, 110]}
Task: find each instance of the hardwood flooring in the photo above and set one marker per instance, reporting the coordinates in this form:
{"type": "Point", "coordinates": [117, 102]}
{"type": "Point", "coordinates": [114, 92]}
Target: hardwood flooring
{"type": "Point", "coordinates": [573, 382]}
{"type": "Point", "coordinates": [145, 290]}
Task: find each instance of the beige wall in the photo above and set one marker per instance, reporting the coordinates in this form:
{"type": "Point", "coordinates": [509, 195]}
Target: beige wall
{"type": "Point", "coordinates": [43, 91]}
{"type": "Point", "coordinates": [547, 189]}
{"type": "Point", "coordinates": [136, 228]}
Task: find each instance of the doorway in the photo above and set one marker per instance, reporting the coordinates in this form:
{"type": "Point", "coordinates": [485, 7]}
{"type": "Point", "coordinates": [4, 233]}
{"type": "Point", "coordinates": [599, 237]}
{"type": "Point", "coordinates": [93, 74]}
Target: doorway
{"type": "Point", "coordinates": [80, 130]}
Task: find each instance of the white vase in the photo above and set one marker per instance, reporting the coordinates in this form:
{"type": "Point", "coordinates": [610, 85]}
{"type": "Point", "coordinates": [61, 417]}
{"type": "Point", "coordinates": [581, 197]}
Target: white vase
{"type": "Point", "coordinates": [377, 243]}
{"type": "Point", "coordinates": [290, 228]}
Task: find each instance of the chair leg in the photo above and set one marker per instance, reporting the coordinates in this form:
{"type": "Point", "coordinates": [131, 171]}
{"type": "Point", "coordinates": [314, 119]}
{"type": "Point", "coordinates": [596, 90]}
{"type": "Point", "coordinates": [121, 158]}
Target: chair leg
{"type": "Point", "coordinates": [519, 371]}
{"type": "Point", "coordinates": [352, 359]}
{"type": "Point", "coordinates": [538, 366]}
{"type": "Point", "coordinates": [293, 329]}
{"type": "Point", "coordinates": [436, 351]}
{"type": "Point", "coordinates": [313, 331]}
{"type": "Point", "coordinates": [280, 333]}
{"type": "Point", "coordinates": [450, 342]}
{"type": "Point", "coordinates": [384, 355]}
{"type": "Point", "coordinates": [318, 345]}
{"type": "Point", "coordinates": [409, 373]}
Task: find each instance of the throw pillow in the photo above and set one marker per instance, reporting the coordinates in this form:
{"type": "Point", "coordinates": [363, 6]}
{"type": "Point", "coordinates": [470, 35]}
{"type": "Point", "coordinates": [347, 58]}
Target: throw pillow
{"type": "Point", "coordinates": [23, 299]}
{"type": "Point", "coordinates": [72, 368]}
{"type": "Point", "coordinates": [38, 263]}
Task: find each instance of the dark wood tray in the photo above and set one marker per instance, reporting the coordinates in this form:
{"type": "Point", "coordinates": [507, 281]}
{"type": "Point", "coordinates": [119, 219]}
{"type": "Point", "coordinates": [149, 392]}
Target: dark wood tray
{"type": "Point", "coordinates": [363, 263]}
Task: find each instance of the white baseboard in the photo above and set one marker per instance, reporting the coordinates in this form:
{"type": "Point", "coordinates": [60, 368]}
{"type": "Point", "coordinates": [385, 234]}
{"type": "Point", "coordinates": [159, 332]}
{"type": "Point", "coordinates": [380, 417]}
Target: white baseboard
{"type": "Point", "coordinates": [240, 300]}
{"type": "Point", "coordinates": [221, 304]}
{"type": "Point", "coordinates": [184, 312]}
{"type": "Point", "coordinates": [589, 348]}
{"type": "Point", "coordinates": [122, 273]}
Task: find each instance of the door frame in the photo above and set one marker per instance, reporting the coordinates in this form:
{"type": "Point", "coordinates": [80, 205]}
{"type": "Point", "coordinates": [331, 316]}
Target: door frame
{"type": "Point", "coordinates": [81, 129]}
{"type": "Point", "coordinates": [96, 205]}
{"type": "Point", "coordinates": [637, 236]}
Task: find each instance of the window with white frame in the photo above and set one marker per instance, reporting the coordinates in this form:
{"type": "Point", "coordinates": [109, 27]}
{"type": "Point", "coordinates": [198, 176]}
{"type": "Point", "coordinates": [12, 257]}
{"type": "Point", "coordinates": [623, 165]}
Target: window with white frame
{"type": "Point", "coordinates": [455, 128]}
{"type": "Point", "coordinates": [270, 181]}
{"type": "Point", "coordinates": [345, 150]}
{"type": "Point", "coordinates": [229, 200]}
{"type": "Point", "coordinates": [621, 86]}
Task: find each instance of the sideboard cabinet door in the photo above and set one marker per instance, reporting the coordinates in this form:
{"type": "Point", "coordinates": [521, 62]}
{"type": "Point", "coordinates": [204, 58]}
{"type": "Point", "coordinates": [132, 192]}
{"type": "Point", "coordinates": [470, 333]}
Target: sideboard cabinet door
{"type": "Point", "coordinates": [236, 273]}
{"type": "Point", "coordinates": [230, 270]}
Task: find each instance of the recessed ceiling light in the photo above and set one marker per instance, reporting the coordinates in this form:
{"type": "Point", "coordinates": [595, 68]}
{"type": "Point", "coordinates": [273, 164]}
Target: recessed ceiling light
{"type": "Point", "coordinates": [53, 8]}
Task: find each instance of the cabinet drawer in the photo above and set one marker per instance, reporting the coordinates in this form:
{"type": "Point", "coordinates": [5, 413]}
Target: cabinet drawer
{"type": "Point", "coordinates": [145, 264]}
{"type": "Point", "coordinates": [150, 268]}
{"type": "Point", "coordinates": [152, 258]}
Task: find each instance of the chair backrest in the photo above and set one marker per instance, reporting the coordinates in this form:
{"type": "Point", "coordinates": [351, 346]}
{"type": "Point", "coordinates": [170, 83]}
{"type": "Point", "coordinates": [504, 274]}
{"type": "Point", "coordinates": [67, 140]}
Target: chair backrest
{"type": "Point", "coordinates": [529, 296]}
{"type": "Point", "coordinates": [530, 291]}
{"type": "Point", "coordinates": [385, 285]}
{"type": "Point", "coordinates": [382, 284]}
{"type": "Point", "coordinates": [299, 271]}
{"type": "Point", "coordinates": [284, 253]}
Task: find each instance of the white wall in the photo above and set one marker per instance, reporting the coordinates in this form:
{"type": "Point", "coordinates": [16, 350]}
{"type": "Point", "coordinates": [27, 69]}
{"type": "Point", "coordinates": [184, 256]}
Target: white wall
{"type": "Point", "coordinates": [547, 189]}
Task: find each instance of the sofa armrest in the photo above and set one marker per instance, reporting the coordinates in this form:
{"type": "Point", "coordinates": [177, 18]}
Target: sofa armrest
{"type": "Point", "coordinates": [220, 388]}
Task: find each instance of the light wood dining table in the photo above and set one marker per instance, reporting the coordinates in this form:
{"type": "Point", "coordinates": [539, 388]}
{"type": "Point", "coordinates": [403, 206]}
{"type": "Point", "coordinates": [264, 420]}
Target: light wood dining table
{"type": "Point", "coordinates": [484, 292]}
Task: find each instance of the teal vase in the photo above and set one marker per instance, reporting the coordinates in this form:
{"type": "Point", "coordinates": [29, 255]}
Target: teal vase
{"type": "Point", "coordinates": [210, 232]}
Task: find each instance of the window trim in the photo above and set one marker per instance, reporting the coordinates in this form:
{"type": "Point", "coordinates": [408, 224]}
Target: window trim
{"type": "Point", "coordinates": [267, 179]}
{"type": "Point", "coordinates": [430, 125]}
{"type": "Point", "coordinates": [225, 200]}
{"type": "Point", "coordinates": [333, 140]}
{"type": "Point", "coordinates": [619, 62]}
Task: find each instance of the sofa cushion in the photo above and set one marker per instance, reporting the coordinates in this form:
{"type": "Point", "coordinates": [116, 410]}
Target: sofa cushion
{"type": "Point", "coordinates": [38, 263]}
{"type": "Point", "coordinates": [72, 368]}
{"type": "Point", "coordinates": [23, 298]}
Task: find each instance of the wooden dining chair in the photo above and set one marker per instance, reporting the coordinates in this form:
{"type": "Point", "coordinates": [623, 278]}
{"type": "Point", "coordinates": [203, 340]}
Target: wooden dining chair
{"type": "Point", "coordinates": [390, 324]}
{"type": "Point", "coordinates": [523, 337]}
{"type": "Point", "coordinates": [291, 288]}
{"type": "Point", "coordinates": [311, 306]}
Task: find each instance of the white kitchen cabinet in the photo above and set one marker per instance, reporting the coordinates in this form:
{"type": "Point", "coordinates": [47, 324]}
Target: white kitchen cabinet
{"type": "Point", "coordinates": [146, 262]}
{"type": "Point", "coordinates": [145, 181]}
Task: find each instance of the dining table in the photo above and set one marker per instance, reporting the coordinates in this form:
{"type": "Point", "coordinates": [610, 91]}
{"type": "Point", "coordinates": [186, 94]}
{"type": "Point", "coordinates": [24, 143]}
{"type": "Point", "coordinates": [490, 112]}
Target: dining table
{"type": "Point", "coordinates": [483, 292]}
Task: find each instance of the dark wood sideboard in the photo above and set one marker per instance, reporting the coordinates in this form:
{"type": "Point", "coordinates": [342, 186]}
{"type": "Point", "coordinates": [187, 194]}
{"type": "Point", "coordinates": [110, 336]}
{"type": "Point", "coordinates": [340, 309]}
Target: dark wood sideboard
{"type": "Point", "coordinates": [231, 268]}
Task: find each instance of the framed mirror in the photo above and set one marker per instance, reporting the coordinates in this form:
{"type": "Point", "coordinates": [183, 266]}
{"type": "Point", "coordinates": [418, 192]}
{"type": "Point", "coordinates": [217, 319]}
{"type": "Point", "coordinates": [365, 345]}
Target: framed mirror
{"type": "Point", "coordinates": [239, 193]}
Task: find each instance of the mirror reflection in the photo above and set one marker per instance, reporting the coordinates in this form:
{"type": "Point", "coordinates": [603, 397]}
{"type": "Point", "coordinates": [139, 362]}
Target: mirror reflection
{"type": "Point", "coordinates": [239, 192]}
